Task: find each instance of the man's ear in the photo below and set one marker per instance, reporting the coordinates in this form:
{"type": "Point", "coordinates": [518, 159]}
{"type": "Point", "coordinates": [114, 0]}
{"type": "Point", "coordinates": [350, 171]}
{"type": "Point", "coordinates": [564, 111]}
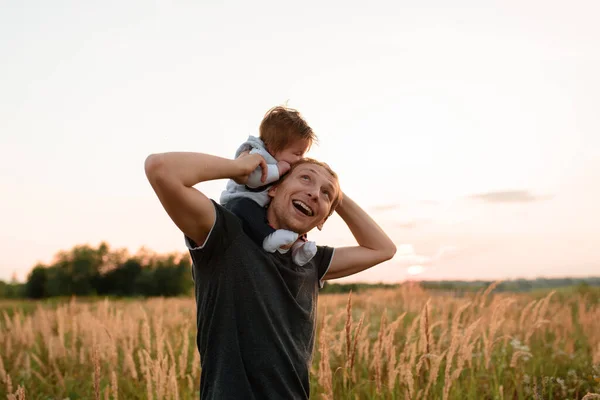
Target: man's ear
{"type": "Point", "coordinates": [272, 191]}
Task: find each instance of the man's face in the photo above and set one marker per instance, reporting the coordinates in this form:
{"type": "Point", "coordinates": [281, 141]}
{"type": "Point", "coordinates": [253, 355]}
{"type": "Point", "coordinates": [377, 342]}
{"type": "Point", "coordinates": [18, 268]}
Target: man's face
{"type": "Point", "coordinates": [303, 200]}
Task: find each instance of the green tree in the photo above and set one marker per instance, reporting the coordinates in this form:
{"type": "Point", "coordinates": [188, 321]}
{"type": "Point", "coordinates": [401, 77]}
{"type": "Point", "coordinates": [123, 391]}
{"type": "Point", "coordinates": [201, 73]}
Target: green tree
{"type": "Point", "coordinates": [35, 287]}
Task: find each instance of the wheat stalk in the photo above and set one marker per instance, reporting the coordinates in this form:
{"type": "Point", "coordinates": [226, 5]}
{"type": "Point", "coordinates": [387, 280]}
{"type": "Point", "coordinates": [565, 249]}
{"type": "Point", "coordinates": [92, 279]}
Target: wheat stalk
{"type": "Point", "coordinates": [2, 370]}
{"type": "Point", "coordinates": [357, 333]}
{"type": "Point", "coordinates": [324, 366]}
{"type": "Point", "coordinates": [487, 292]}
{"type": "Point", "coordinates": [348, 325]}
{"type": "Point", "coordinates": [515, 357]}
{"type": "Point", "coordinates": [20, 393]}
{"type": "Point", "coordinates": [184, 352]}
{"type": "Point", "coordinates": [9, 387]}
{"type": "Point", "coordinates": [114, 385]}
{"type": "Point", "coordinates": [96, 374]}
{"type": "Point", "coordinates": [591, 396]}
{"type": "Point", "coordinates": [434, 371]}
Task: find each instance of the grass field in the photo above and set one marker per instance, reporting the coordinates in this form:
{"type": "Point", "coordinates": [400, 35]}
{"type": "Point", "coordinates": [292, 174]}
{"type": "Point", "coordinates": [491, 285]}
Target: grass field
{"type": "Point", "coordinates": [403, 343]}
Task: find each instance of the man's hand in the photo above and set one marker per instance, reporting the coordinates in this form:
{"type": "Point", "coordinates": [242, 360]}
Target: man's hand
{"type": "Point", "coordinates": [246, 163]}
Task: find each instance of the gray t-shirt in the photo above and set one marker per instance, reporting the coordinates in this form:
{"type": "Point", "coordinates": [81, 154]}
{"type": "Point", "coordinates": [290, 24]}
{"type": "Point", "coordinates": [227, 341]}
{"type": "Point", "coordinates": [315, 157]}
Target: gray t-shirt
{"type": "Point", "coordinates": [256, 314]}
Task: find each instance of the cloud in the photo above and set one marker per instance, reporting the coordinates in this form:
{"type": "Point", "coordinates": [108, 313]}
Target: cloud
{"type": "Point", "coordinates": [406, 256]}
{"type": "Point", "coordinates": [418, 264]}
{"type": "Point", "coordinates": [411, 223]}
{"type": "Point", "coordinates": [406, 225]}
{"type": "Point", "coordinates": [508, 196]}
{"type": "Point", "coordinates": [385, 207]}
{"type": "Point", "coordinates": [415, 270]}
{"type": "Point", "coordinates": [445, 251]}
{"type": "Point", "coordinates": [408, 264]}
{"type": "Point", "coordinates": [393, 206]}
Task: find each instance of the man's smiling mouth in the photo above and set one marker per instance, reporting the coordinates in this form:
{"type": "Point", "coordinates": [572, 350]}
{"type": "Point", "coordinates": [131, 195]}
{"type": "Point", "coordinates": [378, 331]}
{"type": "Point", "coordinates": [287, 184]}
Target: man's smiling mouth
{"type": "Point", "coordinates": [303, 207]}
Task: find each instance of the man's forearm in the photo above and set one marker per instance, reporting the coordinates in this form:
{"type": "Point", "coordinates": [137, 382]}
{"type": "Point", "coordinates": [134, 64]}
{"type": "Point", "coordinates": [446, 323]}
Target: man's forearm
{"type": "Point", "coordinates": [364, 229]}
{"type": "Point", "coordinates": [190, 168]}
{"type": "Point", "coordinates": [374, 246]}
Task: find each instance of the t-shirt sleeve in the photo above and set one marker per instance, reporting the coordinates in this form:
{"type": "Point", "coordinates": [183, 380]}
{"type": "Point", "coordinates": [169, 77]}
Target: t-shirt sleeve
{"type": "Point", "coordinates": [224, 231]}
{"type": "Point", "coordinates": [323, 260]}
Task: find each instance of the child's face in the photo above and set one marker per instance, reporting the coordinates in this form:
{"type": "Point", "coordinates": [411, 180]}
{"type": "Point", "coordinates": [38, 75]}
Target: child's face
{"type": "Point", "coordinates": [293, 152]}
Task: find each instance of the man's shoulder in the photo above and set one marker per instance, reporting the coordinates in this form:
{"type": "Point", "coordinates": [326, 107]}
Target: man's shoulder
{"type": "Point", "coordinates": [220, 208]}
{"type": "Point", "coordinates": [323, 260]}
{"type": "Point", "coordinates": [226, 228]}
{"type": "Point", "coordinates": [226, 220]}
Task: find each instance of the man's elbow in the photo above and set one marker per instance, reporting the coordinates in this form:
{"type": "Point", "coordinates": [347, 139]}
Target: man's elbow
{"type": "Point", "coordinates": [390, 251]}
{"type": "Point", "coordinates": [154, 167]}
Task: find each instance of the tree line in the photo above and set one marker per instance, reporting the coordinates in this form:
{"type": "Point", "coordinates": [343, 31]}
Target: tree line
{"type": "Point", "coordinates": [89, 271]}
{"type": "Point", "coordinates": [99, 271]}
{"type": "Point", "coordinates": [514, 285]}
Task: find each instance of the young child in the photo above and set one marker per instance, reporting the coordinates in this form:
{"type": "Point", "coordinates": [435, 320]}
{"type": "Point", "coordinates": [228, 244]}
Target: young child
{"type": "Point", "coordinates": [284, 139]}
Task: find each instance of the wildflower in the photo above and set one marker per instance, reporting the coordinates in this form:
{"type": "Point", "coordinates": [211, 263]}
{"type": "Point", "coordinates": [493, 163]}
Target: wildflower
{"type": "Point", "coordinates": [517, 345]}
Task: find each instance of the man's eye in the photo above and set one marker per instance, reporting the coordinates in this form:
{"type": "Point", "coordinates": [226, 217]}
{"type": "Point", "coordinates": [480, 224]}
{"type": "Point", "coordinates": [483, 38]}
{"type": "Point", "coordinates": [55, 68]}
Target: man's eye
{"type": "Point", "coordinates": [305, 177]}
{"type": "Point", "coordinates": [326, 193]}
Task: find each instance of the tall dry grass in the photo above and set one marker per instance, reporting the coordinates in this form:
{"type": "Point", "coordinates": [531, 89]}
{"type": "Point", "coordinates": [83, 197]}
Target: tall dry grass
{"type": "Point", "coordinates": [444, 346]}
{"type": "Point", "coordinates": [404, 343]}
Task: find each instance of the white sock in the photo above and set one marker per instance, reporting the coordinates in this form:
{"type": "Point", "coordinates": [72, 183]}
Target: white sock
{"type": "Point", "coordinates": [304, 252]}
{"type": "Point", "coordinates": [280, 237]}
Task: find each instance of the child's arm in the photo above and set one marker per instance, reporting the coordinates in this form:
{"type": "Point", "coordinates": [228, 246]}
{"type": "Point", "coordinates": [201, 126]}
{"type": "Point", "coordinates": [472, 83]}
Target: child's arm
{"type": "Point", "coordinates": [274, 172]}
{"type": "Point", "coordinates": [255, 178]}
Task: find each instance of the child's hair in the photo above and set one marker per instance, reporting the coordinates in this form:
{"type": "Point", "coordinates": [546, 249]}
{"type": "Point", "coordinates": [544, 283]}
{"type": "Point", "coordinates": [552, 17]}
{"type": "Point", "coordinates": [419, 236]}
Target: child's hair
{"type": "Point", "coordinates": [282, 125]}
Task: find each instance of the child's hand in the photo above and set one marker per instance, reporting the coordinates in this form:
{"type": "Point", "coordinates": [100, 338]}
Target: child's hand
{"type": "Point", "coordinates": [283, 167]}
{"type": "Point", "coordinates": [246, 164]}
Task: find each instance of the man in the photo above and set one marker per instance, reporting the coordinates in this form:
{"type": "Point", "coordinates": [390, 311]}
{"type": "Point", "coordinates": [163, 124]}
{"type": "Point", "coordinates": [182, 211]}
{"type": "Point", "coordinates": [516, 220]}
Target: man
{"type": "Point", "coordinates": [256, 311]}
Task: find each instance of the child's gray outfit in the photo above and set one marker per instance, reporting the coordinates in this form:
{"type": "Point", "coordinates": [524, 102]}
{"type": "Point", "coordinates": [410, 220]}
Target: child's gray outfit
{"type": "Point", "coordinates": [242, 200]}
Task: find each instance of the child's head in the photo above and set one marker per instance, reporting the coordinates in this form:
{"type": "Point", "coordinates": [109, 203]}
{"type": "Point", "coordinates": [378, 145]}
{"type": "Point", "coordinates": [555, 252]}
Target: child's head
{"type": "Point", "coordinates": [286, 134]}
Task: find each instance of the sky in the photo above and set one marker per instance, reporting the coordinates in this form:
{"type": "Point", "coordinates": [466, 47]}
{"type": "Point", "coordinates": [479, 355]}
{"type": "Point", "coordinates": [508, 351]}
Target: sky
{"type": "Point", "coordinates": [469, 131]}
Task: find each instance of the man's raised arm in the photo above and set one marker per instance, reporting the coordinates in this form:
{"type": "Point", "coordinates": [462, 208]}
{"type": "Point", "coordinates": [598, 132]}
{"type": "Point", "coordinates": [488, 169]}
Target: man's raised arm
{"type": "Point", "coordinates": [374, 245]}
{"type": "Point", "coordinates": [173, 175]}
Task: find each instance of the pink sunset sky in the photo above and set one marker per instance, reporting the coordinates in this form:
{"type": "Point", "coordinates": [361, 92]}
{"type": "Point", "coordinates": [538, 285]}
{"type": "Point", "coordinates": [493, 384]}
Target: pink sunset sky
{"type": "Point", "coordinates": [470, 132]}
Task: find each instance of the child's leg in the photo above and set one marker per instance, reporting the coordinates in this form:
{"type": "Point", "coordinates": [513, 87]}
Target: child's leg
{"type": "Point", "coordinates": [253, 216]}
{"type": "Point", "coordinates": [255, 224]}
{"type": "Point", "coordinates": [303, 250]}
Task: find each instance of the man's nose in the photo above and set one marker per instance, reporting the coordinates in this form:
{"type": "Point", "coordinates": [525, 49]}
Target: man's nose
{"type": "Point", "coordinates": [313, 193]}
